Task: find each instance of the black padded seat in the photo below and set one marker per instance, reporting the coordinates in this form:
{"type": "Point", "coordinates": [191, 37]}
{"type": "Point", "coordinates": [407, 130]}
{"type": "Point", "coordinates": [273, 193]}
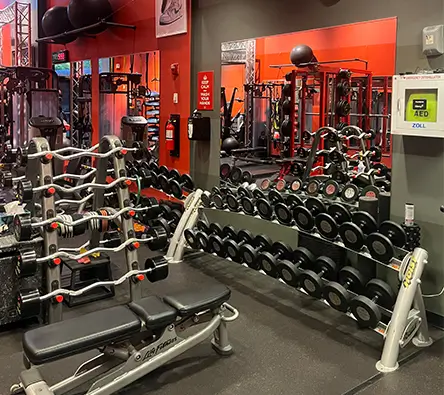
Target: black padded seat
{"type": "Point", "coordinates": [190, 302]}
{"type": "Point", "coordinates": [87, 332]}
{"type": "Point", "coordinates": [154, 312]}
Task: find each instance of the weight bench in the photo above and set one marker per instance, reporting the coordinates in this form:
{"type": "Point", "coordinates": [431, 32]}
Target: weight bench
{"type": "Point", "coordinates": [133, 340]}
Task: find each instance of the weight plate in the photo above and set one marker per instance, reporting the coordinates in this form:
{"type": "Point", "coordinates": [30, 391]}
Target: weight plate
{"type": "Point", "coordinates": [190, 237]}
{"type": "Point", "coordinates": [218, 201]}
{"type": "Point", "coordinates": [350, 193]}
{"type": "Point", "coordinates": [232, 203]}
{"type": "Point", "coordinates": [312, 283]}
{"type": "Point", "coordinates": [216, 229]}
{"type": "Point", "coordinates": [370, 191]}
{"type": "Point", "coordinates": [262, 241]}
{"type": "Point", "coordinates": [304, 219]}
{"type": "Point", "coordinates": [327, 266]}
{"type": "Point", "coordinates": [313, 187]}
{"type": "Point", "coordinates": [343, 108]}
{"type": "Point", "coordinates": [365, 311]}
{"type": "Point", "coordinates": [394, 232]}
{"type": "Point", "coordinates": [331, 189]}
{"type": "Point", "coordinates": [265, 184]}
{"type": "Point", "coordinates": [242, 191]}
{"type": "Point", "coordinates": [267, 263]}
{"type": "Point", "coordinates": [352, 236]}
{"type": "Point", "coordinates": [22, 227]}
{"type": "Point", "coordinates": [204, 241]}
{"type": "Point", "coordinates": [187, 181]}
{"type": "Point", "coordinates": [217, 245]}
{"type": "Point", "coordinates": [288, 272]}
{"type": "Point", "coordinates": [340, 176]}
{"type": "Point", "coordinates": [381, 168]}
{"type": "Point", "coordinates": [164, 170]}
{"type": "Point", "coordinates": [206, 199]}
{"type": "Point", "coordinates": [247, 206]}
{"type": "Point", "coordinates": [245, 236]}
{"type": "Point", "coordinates": [275, 197]}
{"type": "Point", "coordinates": [25, 191]}
{"type": "Point", "coordinates": [258, 194]}
{"type": "Point", "coordinates": [332, 136]}
{"type": "Point", "coordinates": [294, 200]}
{"type": "Point", "coordinates": [337, 296]}
{"type": "Point", "coordinates": [176, 190]}
{"type": "Point", "coordinates": [384, 292]}
{"type": "Point", "coordinates": [296, 185]}
{"type": "Point", "coordinates": [380, 247]}
{"type": "Point", "coordinates": [203, 226]}
{"type": "Point", "coordinates": [303, 257]}
{"type": "Point", "coordinates": [281, 185]}
{"type": "Point", "coordinates": [365, 221]}
{"type": "Point", "coordinates": [164, 183]}
{"type": "Point", "coordinates": [236, 175]}
{"type": "Point", "coordinates": [327, 226]}
{"type": "Point", "coordinates": [315, 205]}
{"type": "Point", "coordinates": [283, 214]}
{"type": "Point", "coordinates": [247, 177]}
{"type": "Point", "coordinates": [353, 277]}
{"type": "Point", "coordinates": [264, 209]}
{"type": "Point", "coordinates": [232, 250]}
{"type": "Point", "coordinates": [225, 171]}
{"type": "Point", "coordinates": [377, 154]}
{"type": "Point", "coordinates": [339, 213]}
{"type": "Point", "coordinates": [249, 255]}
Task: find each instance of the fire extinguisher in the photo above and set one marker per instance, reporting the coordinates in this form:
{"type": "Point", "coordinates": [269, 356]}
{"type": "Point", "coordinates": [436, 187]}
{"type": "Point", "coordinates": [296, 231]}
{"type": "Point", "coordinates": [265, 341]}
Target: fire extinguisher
{"type": "Point", "coordinates": [169, 136]}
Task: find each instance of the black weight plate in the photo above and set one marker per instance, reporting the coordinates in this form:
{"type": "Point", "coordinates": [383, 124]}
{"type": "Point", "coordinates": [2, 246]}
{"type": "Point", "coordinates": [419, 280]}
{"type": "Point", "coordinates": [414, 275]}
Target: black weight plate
{"type": "Point", "coordinates": [313, 187]}
{"type": "Point", "coordinates": [232, 250]}
{"type": "Point", "coordinates": [283, 214]}
{"type": "Point", "coordinates": [249, 255]}
{"type": "Point", "coordinates": [331, 189]}
{"type": "Point", "coordinates": [312, 283]}
{"type": "Point", "coordinates": [303, 257]}
{"type": "Point", "coordinates": [327, 226]}
{"type": "Point", "coordinates": [236, 175]}
{"type": "Point", "coordinates": [232, 203]}
{"type": "Point", "coordinates": [264, 209]}
{"type": "Point", "coordinates": [164, 170]}
{"type": "Point", "coordinates": [267, 263]}
{"type": "Point", "coordinates": [22, 227]}
{"type": "Point", "coordinates": [230, 232]}
{"type": "Point", "coordinates": [315, 205]}
{"type": "Point", "coordinates": [336, 157]}
{"type": "Point", "coordinates": [164, 183]}
{"type": "Point", "coordinates": [383, 185]}
{"type": "Point", "coordinates": [190, 237]}
{"type": "Point", "coordinates": [247, 176]}
{"type": "Point", "coordinates": [203, 226]}
{"type": "Point", "coordinates": [343, 108]}
{"type": "Point", "coordinates": [296, 185]}
{"type": "Point", "coordinates": [216, 229]}
{"type": "Point", "coordinates": [353, 277]}
{"type": "Point", "coordinates": [294, 200]}
{"type": "Point", "coordinates": [225, 171]}
{"type": "Point", "coordinates": [217, 246]}
{"type": "Point", "coordinates": [394, 232]}
{"type": "Point", "coordinates": [204, 241]}
{"type": "Point", "coordinates": [283, 250]}
{"type": "Point", "coordinates": [288, 272]}
{"type": "Point", "coordinates": [303, 217]}
{"type": "Point", "coordinates": [381, 168]}
{"type": "Point", "coordinates": [326, 265]}
{"type": "Point", "coordinates": [384, 292]}
{"type": "Point", "coordinates": [25, 191]}
{"type": "Point", "coordinates": [377, 154]}
{"type": "Point", "coordinates": [339, 213]}
{"type": "Point", "coordinates": [365, 311]}
{"type": "Point", "coordinates": [343, 88]}
{"type": "Point", "coordinates": [265, 184]}
{"type": "Point", "coordinates": [176, 189]}
{"type": "Point", "coordinates": [245, 236]}
{"type": "Point", "coordinates": [275, 197]}
{"type": "Point", "coordinates": [262, 241]}
{"type": "Point", "coordinates": [281, 185]}
{"type": "Point", "coordinates": [352, 236]}
{"type": "Point", "coordinates": [340, 176]}
{"type": "Point", "coordinates": [380, 247]}
{"type": "Point", "coordinates": [206, 199]}
{"type": "Point", "coordinates": [365, 221]}
{"type": "Point", "coordinates": [247, 206]}
{"type": "Point", "coordinates": [350, 193]}
{"type": "Point", "coordinates": [218, 201]}
{"type": "Point", "coordinates": [242, 191]}
{"type": "Point", "coordinates": [337, 296]}
{"type": "Point", "coordinates": [187, 181]}
{"type": "Point", "coordinates": [258, 194]}
{"type": "Point", "coordinates": [370, 191]}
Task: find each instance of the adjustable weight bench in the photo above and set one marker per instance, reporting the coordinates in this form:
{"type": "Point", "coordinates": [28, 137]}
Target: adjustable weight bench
{"type": "Point", "coordinates": [133, 340]}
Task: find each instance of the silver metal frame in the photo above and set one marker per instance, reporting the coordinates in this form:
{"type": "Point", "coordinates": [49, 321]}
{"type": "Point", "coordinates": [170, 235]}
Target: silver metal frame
{"type": "Point", "coordinates": [122, 364]}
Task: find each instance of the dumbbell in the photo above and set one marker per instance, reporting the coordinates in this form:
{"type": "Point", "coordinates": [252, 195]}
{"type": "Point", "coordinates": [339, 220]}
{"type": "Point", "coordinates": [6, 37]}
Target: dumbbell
{"type": "Point", "coordinates": [203, 236]}
{"type": "Point", "coordinates": [219, 196]}
{"type": "Point", "coordinates": [365, 308]}
{"type": "Point", "coordinates": [249, 203]}
{"type": "Point", "coordinates": [289, 270]}
{"type": "Point", "coordinates": [265, 207]}
{"type": "Point", "coordinates": [169, 222]}
{"type": "Point", "coordinates": [337, 294]}
{"type": "Point", "coordinates": [232, 173]}
{"type": "Point", "coordinates": [25, 191]}
{"type": "Point", "coordinates": [155, 210]}
{"type": "Point", "coordinates": [232, 247]}
{"type": "Point", "coordinates": [350, 193]}
{"type": "Point", "coordinates": [382, 244]}
{"type": "Point", "coordinates": [217, 240]}
{"type": "Point", "coordinates": [284, 211]}
{"type": "Point", "coordinates": [233, 201]}
{"type": "Point", "coordinates": [332, 189]}
{"type": "Point", "coordinates": [158, 170]}
{"type": "Point", "coordinates": [250, 252]}
{"type": "Point", "coordinates": [268, 260]}
{"type": "Point", "coordinates": [312, 282]}
{"type": "Point", "coordinates": [191, 238]}
{"type": "Point", "coordinates": [353, 233]}
{"type": "Point", "coordinates": [328, 223]}
{"type": "Point", "coordinates": [304, 216]}
{"type": "Point", "coordinates": [314, 187]}
{"type": "Point", "coordinates": [175, 183]}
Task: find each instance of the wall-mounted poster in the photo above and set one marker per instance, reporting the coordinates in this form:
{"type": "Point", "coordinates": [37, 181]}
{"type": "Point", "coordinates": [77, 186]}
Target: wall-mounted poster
{"type": "Point", "coordinates": [171, 17]}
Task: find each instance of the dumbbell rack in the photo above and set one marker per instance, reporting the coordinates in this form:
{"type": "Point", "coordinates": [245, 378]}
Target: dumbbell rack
{"type": "Point", "coordinates": [40, 168]}
{"type": "Point", "coordinates": [408, 319]}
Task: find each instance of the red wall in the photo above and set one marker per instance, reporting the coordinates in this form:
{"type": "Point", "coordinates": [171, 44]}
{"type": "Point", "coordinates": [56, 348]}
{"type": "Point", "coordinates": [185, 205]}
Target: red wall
{"type": "Point", "coordinates": [117, 41]}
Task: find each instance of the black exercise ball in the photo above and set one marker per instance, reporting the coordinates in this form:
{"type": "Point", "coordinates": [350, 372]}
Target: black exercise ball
{"type": "Point", "coordinates": [83, 13]}
{"type": "Point", "coordinates": [56, 21]}
{"type": "Point", "coordinates": [229, 144]}
{"type": "Point", "coordinates": [302, 54]}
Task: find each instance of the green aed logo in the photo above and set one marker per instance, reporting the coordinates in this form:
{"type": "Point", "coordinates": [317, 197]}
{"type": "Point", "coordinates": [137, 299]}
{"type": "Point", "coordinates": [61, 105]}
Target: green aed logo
{"type": "Point", "coordinates": [421, 107]}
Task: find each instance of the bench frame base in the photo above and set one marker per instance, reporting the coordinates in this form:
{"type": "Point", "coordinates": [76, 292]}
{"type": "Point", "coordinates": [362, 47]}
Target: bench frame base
{"type": "Point", "coordinates": [122, 364]}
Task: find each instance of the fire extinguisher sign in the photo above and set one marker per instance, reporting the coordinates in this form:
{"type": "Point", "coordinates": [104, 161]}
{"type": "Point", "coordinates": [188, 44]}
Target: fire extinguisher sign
{"type": "Point", "coordinates": [205, 90]}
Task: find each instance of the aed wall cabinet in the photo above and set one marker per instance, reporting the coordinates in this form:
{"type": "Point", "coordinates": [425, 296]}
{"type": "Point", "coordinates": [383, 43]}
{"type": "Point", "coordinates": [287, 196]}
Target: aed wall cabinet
{"type": "Point", "coordinates": [199, 128]}
{"type": "Point", "coordinates": [418, 105]}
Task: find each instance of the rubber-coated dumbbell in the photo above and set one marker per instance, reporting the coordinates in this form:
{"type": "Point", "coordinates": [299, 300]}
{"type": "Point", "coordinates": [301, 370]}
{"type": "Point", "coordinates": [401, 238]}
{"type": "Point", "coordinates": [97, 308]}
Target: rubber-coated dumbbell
{"type": "Point", "coordinates": [289, 271]}
{"type": "Point", "coordinates": [284, 211]}
{"type": "Point", "coordinates": [217, 240]}
{"type": "Point", "coordinates": [175, 185]}
{"type": "Point", "coordinates": [350, 193]}
{"type": "Point", "coordinates": [304, 216]}
{"type": "Point", "coordinates": [332, 189]}
{"type": "Point", "coordinates": [234, 200]}
{"type": "Point", "coordinates": [219, 195]}
{"type": "Point", "coordinates": [191, 238]}
{"type": "Point", "coordinates": [147, 177]}
{"type": "Point", "coordinates": [382, 244]}
{"type": "Point", "coordinates": [366, 308]}
{"type": "Point", "coordinates": [250, 252]}
{"type": "Point", "coordinates": [232, 173]}
{"type": "Point", "coordinates": [164, 180]}
{"type": "Point", "coordinates": [169, 222]}
{"type": "Point", "coordinates": [328, 223]}
{"type": "Point", "coordinates": [265, 207]}
{"type": "Point", "coordinates": [204, 236]}
{"type": "Point", "coordinates": [268, 260]}
{"type": "Point", "coordinates": [312, 282]}
{"type": "Point", "coordinates": [337, 294]}
{"type": "Point", "coordinates": [314, 187]}
{"type": "Point", "coordinates": [353, 233]}
{"type": "Point", "coordinates": [249, 203]}
{"type": "Point", "coordinates": [232, 247]}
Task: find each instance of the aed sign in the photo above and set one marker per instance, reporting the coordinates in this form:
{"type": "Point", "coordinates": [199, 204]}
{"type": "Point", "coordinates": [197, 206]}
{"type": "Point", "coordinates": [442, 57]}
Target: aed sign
{"type": "Point", "coordinates": [205, 90]}
{"type": "Point", "coordinates": [421, 106]}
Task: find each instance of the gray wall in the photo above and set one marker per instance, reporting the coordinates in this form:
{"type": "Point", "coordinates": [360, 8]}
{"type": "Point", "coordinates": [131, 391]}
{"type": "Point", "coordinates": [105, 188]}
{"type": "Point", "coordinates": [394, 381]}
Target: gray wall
{"type": "Point", "coordinates": [217, 21]}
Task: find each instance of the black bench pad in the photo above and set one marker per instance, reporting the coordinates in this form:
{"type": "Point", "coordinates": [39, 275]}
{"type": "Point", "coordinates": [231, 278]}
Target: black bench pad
{"type": "Point", "coordinates": [154, 312]}
{"type": "Point", "coordinates": [190, 302]}
{"type": "Point", "coordinates": [70, 337]}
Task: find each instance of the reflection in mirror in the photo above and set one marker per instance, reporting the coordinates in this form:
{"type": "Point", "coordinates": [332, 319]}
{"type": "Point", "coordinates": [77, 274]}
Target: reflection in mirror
{"type": "Point", "coordinates": [277, 91]}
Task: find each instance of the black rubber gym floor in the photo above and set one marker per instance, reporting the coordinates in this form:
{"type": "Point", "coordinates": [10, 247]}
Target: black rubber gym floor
{"type": "Point", "coordinates": [284, 343]}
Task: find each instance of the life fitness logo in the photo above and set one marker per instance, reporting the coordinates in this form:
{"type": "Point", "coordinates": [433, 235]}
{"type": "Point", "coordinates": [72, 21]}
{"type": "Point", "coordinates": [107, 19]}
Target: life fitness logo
{"type": "Point", "coordinates": [205, 89]}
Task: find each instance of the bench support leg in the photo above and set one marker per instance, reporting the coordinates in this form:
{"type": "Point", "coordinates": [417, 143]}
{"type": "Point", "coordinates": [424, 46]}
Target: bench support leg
{"type": "Point", "coordinates": [220, 342]}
